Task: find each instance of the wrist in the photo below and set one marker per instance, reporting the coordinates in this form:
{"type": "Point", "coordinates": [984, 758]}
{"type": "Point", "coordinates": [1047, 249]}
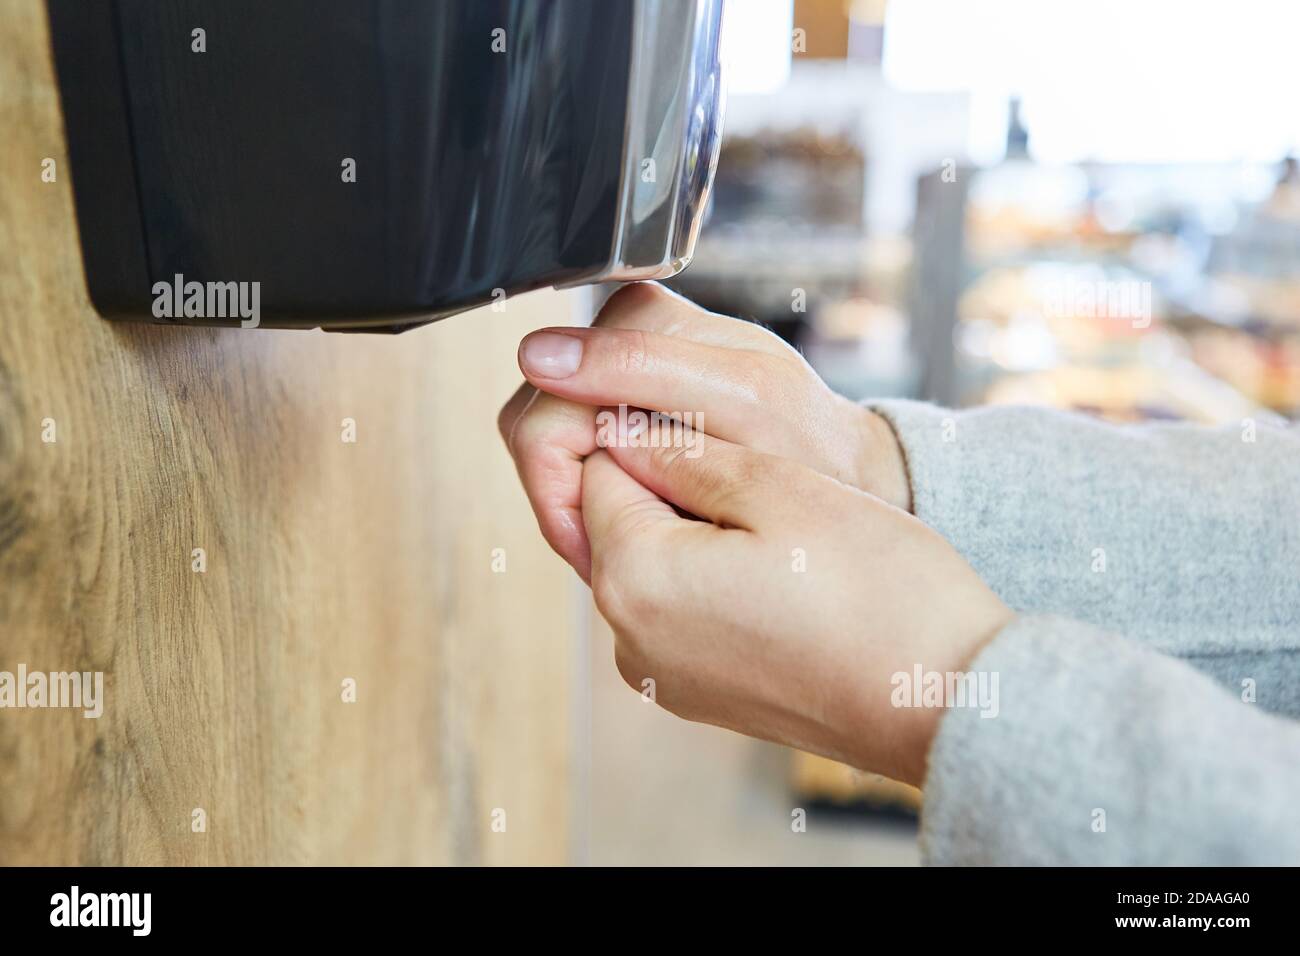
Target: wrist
{"type": "Point", "coordinates": [882, 467]}
{"type": "Point", "coordinates": [918, 734]}
{"type": "Point", "coordinates": [903, 729]}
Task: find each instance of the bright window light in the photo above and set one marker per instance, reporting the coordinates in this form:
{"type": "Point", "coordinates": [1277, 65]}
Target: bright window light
{"type": "Point", "coordinates": [1112, 80]}
{"type": "Point", "coordinates": [755, 44]}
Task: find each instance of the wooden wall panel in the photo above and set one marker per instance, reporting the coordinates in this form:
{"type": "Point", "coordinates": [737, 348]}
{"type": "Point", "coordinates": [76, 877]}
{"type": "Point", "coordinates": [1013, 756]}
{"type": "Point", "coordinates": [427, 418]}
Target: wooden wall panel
{"type": "Point", "coordinates": [325, 561]}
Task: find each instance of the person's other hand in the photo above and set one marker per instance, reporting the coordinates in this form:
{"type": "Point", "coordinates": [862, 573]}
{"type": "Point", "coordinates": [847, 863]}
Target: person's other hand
{"type": "Point", "coordinates": [654, 350]}
{"type": "Point", "coordinates": [785, 613]}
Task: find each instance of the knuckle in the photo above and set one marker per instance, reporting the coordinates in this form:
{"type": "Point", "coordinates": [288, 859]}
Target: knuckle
{"type": "Point", "coordinates": [734, 481]}
{"type": "Point", "coordinates": [514, 411]}
{"type": "Point", "coordinates": [632, 354]}
{"type": "Point", "coordinates": [547, 421]}
{"type": "Point", "coordinates": [744, 470]}
{"type": "Point", "coordinates": [674, 461]}
{"type": "Point", "coordinates": [671, 455]}
{"type": "Point", "coordinates": [765, 379]}
{"type": "Point", "coordinates": [744, 474]}
{"type": "Point", "coordinates": [529, 431]}
{"type": "Point", "coordinates": [753, 381]}
{"type": "Point", "coordinates": [770, 471]}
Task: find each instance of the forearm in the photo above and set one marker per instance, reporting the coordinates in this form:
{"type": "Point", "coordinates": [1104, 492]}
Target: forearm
{"type": "Point", "coordinates": [1184, 538]}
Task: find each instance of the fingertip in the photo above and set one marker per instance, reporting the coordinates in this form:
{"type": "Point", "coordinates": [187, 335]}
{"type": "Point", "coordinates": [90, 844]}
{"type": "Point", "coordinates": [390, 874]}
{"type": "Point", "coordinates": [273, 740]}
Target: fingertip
{"type": "Point", "coordinates": [550, 354]}
{"type": "Point", "coordinates": [564, 531]}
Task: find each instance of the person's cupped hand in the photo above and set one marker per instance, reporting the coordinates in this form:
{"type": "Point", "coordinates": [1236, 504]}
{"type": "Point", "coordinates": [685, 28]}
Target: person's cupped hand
{"type": "Point", "coordinates": [758, 566]}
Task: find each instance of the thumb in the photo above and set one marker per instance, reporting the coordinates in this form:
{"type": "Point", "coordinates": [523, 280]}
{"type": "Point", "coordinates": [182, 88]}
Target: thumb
{"type": "Point", "coordinates": [728, 484]}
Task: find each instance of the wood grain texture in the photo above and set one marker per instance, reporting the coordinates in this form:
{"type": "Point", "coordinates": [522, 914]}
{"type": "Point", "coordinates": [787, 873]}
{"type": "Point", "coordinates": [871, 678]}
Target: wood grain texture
{"type": "Point", "coordinates": [325, 561]}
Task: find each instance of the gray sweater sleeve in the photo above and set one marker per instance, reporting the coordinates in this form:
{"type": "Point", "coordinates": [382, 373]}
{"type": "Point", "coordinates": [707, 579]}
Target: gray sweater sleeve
{"type": "Point", "coordinates": [1107, 749]}
{"type": "Point", "coordinates": [1104, 753]}
{"type": "Point", "coordinates": [1184, 538]}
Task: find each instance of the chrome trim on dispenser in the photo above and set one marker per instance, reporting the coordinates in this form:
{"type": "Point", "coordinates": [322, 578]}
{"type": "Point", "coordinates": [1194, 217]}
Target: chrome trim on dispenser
{"type": "Point", "coordinates": [672, 135]}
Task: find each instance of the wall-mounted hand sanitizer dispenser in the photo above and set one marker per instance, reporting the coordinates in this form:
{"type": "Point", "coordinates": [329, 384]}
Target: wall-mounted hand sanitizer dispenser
{"type": "Point", "coordinates": [371, 165]}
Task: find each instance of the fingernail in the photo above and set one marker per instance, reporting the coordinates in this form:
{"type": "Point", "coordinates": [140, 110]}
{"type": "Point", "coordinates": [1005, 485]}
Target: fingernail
{"type": "Point", "coordinates": [551, 355]}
